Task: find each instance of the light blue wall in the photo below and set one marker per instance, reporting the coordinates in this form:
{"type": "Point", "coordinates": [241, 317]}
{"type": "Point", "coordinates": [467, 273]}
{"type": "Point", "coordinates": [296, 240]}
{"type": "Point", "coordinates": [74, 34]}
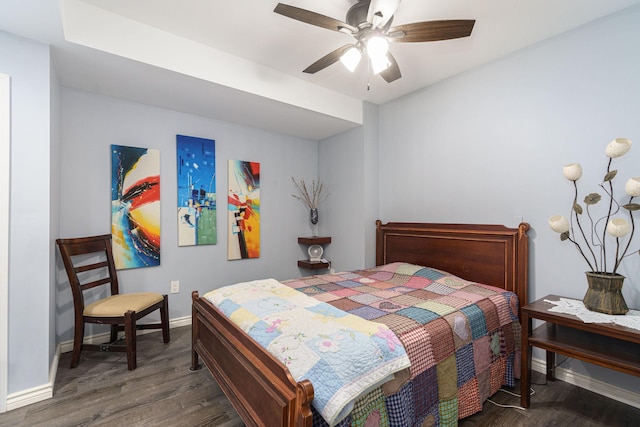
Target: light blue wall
{"type": "Point", "coordinates": [348, 164]}
{"type": "Point", "coordinates": [489, 145]}
{"type": "Point", "coordinates": [342, 213]}
{"type": "Point", "coordinates": [91, 123]}
{"type": "Point", "coordinates": [30, 344]}
{"type": "Point", "coordinates": [55, 162]}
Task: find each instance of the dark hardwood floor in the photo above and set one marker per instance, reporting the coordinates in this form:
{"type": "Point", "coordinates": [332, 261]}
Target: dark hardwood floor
{"type": "Point", "coordinates": [163, 392]}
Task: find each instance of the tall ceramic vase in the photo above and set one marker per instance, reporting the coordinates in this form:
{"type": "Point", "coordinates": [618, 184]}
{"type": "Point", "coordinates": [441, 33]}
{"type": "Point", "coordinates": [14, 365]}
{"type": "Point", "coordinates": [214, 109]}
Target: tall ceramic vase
{"type": "Point", "coordinates": [605, 293]}
{"type": "Point", "coordinates": [313, 217]}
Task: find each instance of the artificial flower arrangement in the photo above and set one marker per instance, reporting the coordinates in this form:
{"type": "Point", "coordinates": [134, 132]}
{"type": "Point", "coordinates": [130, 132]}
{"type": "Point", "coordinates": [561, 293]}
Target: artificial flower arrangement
{"type": "Point", "coordinates": [591, 242]}
{"type": "Point", "coordinates": [616, 226]}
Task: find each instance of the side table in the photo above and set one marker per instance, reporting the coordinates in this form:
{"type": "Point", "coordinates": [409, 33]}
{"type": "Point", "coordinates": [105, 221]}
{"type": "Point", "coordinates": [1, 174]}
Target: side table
{"type": "Point", "coordinates": [605, 344]}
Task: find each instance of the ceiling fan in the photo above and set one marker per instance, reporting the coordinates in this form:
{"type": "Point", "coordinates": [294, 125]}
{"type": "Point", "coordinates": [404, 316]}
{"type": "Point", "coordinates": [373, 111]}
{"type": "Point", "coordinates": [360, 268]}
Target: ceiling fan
{"type": "Point", "coordinates": [369, 22]}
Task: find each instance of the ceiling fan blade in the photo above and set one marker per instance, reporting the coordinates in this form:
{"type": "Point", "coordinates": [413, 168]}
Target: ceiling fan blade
{"type": "Point", "coordinates": [327, 60]}
{"type": "Point", "coordinates": [392, 72]}
{"type": "Point", "coordinates": [380, 11]}
{"type": "Point", "coordinates": [431, 31]}
{"type": "Point", "coordinates": [313, 18]}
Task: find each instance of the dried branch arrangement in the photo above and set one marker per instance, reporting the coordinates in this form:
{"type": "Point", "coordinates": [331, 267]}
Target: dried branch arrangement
{"type": "Point", "coordinates": [310, 197]}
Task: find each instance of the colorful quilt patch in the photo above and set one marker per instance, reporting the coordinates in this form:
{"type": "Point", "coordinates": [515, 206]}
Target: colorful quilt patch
{"type": "Point", "coordinates": [425, 392]}
{"type": "Point", "coordinates": [399, 413]}
{"type": "Point", "coordinates": [418, 346]}
{"type": "Point", "coordinates": [469, 399]}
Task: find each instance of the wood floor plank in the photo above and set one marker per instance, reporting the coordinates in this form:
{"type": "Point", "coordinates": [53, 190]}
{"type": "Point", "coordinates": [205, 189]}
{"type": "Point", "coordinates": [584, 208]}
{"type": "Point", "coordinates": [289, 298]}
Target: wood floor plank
{"type": "Point", "coordinates": [162, 391]}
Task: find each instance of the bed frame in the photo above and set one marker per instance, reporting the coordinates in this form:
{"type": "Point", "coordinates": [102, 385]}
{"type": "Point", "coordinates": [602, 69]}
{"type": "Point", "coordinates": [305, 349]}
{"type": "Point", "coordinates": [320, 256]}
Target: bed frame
{"type": "Point", "coordinates": [262, 390]}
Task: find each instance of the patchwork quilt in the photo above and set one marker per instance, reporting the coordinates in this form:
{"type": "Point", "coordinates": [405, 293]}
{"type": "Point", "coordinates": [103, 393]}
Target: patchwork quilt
{"type": "Point", "coordinates": [343, 355]}
{"type": "Point", "coordinates": [461, 338]}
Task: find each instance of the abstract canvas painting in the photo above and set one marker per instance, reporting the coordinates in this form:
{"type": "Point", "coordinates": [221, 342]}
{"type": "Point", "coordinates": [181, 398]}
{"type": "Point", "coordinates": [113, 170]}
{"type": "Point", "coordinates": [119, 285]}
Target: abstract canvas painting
{"type": "Point", "coordinates": [197, 219]}
{"type": "Point", "coordinates": [135, 206]}
{"type": "Point", "coordinates": [243, 240]}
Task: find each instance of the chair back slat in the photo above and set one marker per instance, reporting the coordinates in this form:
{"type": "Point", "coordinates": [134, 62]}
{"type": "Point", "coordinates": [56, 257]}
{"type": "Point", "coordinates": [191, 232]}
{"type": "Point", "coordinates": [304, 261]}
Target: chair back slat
{"type": "Point", "coordinates": [88, 267]}
{"type": "Point", "coordinates": [86, 245]}
{"type": "Point", "coordinates": [89, 285]}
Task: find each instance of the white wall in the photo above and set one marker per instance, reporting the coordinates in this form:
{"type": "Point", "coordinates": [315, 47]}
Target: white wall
{"type": "Point", "coordinates": [55, 162]}
{"type": "Point", "coordinates": [27, 63]}
{"type": "Point", "coordinates": [489, 145]}
{"type": "Point", "coordinates": [348, 164]}
{"type": "Point", "coordinates": [5, 181]}
{"type": "Point", "coordinates": [342, 214]}
{"type": "Point", "coordinates": [91, 123]}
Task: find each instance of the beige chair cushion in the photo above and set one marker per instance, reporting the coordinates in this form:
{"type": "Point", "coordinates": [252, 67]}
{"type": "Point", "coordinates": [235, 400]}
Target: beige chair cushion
{"type": "Point", "coordinates": [117, 305]}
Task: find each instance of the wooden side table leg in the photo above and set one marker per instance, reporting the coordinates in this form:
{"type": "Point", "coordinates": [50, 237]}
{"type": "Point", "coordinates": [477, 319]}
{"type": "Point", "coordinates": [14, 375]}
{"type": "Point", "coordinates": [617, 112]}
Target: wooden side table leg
{"type": "Point", "coordinates": [525, 373]}
{"type": "Point", "coordinates": [551, 363]}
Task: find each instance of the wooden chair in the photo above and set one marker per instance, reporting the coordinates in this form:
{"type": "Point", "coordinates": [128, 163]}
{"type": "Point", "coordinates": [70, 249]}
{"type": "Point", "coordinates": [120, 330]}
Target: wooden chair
{"type": "Point", "coordinates": [121, 311]}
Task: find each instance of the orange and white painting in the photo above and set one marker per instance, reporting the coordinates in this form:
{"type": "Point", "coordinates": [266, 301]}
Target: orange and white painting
{"type": "Point", "coordinates": [135, 206]}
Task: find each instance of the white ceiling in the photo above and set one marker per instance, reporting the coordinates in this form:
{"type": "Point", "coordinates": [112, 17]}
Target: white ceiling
{"type": "Point", "coordinates": [239, 61]}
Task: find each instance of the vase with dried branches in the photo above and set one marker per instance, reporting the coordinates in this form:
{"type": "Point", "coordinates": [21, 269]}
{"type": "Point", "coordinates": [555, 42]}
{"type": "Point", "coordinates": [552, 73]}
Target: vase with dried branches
{"type": "Point", "coordinates": [605, 284]}
{"type": "Point", "coordinates": [311, 196]}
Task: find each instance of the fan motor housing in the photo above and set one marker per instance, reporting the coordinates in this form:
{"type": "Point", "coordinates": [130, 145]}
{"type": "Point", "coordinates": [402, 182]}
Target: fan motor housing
{"type": "Point", "coordinates": [357, 14]}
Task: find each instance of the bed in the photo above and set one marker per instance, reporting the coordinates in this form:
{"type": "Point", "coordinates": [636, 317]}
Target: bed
{"type": "Point", "coordinates": [264, 392]}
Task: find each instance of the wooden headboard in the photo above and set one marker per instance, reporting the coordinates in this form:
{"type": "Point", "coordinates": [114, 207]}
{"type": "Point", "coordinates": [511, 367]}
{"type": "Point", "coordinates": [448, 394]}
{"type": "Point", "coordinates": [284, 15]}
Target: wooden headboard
{"type": "Point", "coordinates": [490, 254]}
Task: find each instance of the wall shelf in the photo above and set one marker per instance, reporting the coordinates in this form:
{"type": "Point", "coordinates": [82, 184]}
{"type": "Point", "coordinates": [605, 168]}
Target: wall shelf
{"type": "Point", "coordinates": [313, 240]}
{"type": "Point", "coordinates": [312, 265]}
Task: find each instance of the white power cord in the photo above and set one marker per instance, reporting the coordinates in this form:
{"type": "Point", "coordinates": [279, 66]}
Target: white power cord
{"type": "Point", "coordinates": [532, 392]}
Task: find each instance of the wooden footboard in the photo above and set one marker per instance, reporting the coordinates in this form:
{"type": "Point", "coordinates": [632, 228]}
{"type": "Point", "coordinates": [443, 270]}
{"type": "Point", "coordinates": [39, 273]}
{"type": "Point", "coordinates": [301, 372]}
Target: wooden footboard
{"type": "Point", "coordinates": [260, 388]}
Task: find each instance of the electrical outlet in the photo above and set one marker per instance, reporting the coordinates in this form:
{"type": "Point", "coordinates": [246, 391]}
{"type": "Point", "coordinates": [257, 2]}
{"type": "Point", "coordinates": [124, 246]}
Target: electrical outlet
{"type": "Point", "coordinates": [175, 286]}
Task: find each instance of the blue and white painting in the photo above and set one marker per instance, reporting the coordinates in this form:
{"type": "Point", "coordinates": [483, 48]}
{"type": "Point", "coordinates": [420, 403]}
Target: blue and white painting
{"type": "Point", "coordinates": [197, 218]}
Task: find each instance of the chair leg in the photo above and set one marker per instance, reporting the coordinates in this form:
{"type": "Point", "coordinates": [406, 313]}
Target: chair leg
{"type": "Point", "coordinates": [114, 333]}
{"type": "Point", "coordinates": [164, 318]}
{"type": "Point", "coordinates": [78, 337]}
{"type": "Point", "coordinates": [130, 338]}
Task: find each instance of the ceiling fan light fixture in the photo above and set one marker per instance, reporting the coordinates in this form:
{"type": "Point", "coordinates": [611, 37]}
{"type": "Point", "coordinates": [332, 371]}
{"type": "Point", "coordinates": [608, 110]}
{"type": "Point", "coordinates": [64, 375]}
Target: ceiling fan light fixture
{"type": "Point", "coordinates": [377, 46]}
{"type": "Point", "coordinates": [351, 58]}
{"type": "Point", "coordinates": [369, 22]}
{"type": "Point", "coordinates": [379, 64]}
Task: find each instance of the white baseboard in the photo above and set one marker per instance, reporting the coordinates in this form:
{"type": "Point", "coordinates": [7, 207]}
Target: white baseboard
{"type": "Point", "coordinates": [45, 391]}
{"type": "Point", "coordinates": [600, 387]}
{"type": "Point", "coordinates": [35, 394]}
